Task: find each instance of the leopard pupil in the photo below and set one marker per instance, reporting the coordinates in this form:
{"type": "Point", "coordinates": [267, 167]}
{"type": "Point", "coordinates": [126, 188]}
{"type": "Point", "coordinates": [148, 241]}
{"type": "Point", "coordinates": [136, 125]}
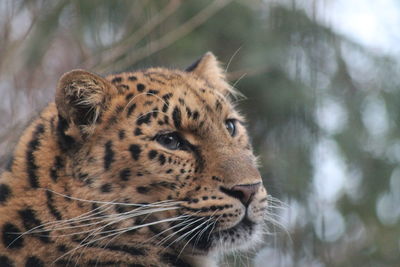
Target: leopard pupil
{"type": "Point", "coordinates": [169, 140]}
{"type": "Point", "coordinates": [230, 126]}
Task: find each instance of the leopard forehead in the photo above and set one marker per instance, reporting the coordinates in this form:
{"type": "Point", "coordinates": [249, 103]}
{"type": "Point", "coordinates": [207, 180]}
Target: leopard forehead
{"type": "Point", "coordinates": [161, 91]}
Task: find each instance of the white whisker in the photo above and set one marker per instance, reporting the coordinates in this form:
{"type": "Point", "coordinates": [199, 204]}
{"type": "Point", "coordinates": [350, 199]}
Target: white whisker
{"type": "Point", "coordinates": [176, 232]}
{"type": "Point", "coordinates": [115, 218]}
{"type": "Point", "coordinates": [230, 60]}
{"type": "Point", "coordinates": [192, 236]}
{"type": "Point", "coordinates": [144, 94]}
{"type": "Point", "coordinates": [165, 202]}
{"type": "Point", "coordinates": [168, 229]}
{"type": "Point", "coordinates": [118, 233]}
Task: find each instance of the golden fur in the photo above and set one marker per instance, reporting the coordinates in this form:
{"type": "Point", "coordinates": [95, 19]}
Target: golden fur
{"type": "Point", "coordinates": [147, 168]}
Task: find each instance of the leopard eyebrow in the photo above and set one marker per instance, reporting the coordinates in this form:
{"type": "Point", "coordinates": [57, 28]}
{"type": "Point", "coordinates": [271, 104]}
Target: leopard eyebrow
{"type": "Point", "coordinates": [236, 119]}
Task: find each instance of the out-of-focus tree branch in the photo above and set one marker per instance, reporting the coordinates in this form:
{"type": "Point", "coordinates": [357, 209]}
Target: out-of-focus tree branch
{"type": "Point", "coordinates": [166, 40]}
{"type": "Point", "coordinates": [117, 50]}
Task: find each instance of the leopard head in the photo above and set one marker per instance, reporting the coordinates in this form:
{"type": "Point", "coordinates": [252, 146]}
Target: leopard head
{"type": "Point", "coordinates": [168, 142]}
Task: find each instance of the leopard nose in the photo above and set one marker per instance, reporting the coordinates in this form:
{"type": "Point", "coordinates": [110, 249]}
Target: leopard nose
{"type": "Point", "coordinates": [244, 192]}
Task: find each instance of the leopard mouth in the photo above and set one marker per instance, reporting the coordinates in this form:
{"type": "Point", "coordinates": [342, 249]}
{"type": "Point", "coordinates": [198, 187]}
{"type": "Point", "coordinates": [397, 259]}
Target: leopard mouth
{"type": "Point", "coordinates": [241, 232]}
{"type": "Point", "coordinates": [205, 239]}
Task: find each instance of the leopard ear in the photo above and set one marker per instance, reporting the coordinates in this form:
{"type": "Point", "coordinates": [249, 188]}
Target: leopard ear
{"type": "Point", "coordinates": [208, 68]}
{"type": "Point", "coordinates": [81, 97]}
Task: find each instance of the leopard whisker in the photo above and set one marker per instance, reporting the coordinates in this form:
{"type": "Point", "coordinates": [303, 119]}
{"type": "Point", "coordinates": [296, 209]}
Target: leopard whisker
{"type": "Point", "coordinates": [56, 226]}
{"type": "Point", "coordinates": [269, 219]}
{"type": "Point", "coordinates": [34, 229]}
{"type": "Point", "coordinates": [202, 231]}
{"type": "Point", "coordinates": [184, 217]}
{"type": "Point", "coordinates": [120, 232]}
{"type": "Point", "coordinates": [162, 241]}
{"type": "Point", "coordinates": [215, 224]}
{"type": "Point", "coordinates": [168, 229]}
{"type": "Point", "coordinates": [110, 219]}
{"type": "Point", "coordinates": [277, 201]}
{"type": "Point", "coordinates": [275, 223]}
{"type": "Point", "coordinates": [123, 218]}
{"type": "Point", "coordinates": [144, 94]}
{"type": "Point", "coordinates": [144, 210]}
{"type": "Point", "coordinates": [232, 57]}
{"type": "Point", "coordinates": [104, 219]}
{"type": "Point", "coordinates": [77, 219]}
{"type": "Point", "coordinates": [167, 202]}
{"type": "Point", "coordinates": [193, 230]}
{"type": "Point", "coordinates": [188, 233]}
{"type": "Point", "coordinates": [238, 80]}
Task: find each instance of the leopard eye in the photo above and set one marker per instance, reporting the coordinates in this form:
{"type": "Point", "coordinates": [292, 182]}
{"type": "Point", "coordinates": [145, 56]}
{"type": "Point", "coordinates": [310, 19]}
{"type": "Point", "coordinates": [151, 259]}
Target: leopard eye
{"type": "Point", "coordinates": [171, 141]}
{"type": "Point", "coordinates": [230, 125]}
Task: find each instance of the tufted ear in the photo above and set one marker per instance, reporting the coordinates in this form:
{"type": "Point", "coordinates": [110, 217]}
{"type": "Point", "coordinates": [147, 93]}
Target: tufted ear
{"type": "Point", "coordinates": [209, 69]}
{"type": "Point", "coordinates": [81, 97]}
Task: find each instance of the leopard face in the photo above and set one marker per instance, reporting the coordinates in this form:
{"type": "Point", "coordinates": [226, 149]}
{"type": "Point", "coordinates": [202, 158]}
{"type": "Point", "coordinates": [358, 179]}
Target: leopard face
{"type": "Point", "coordinates": [161, 149]}
{"type": "Point", "coordinates": [174, 136]}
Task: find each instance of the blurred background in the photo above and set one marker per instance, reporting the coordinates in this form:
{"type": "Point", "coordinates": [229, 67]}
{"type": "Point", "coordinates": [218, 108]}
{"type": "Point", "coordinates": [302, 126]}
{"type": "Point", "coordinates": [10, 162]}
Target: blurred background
{"type": "Point", "coordinates": [323, 101]}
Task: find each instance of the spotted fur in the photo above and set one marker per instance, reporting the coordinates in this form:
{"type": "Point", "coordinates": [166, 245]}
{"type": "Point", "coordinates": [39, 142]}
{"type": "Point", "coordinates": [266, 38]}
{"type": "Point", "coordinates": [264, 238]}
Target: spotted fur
{"type": "Point", "coordinates": [136, 169]}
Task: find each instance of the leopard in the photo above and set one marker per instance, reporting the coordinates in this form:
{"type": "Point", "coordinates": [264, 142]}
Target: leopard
{"type": "Point", "coordinates": [152, 167]}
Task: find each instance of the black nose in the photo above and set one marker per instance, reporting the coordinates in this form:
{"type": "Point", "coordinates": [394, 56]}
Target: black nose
{"type": "Point", "coordinates": [244, 192]}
